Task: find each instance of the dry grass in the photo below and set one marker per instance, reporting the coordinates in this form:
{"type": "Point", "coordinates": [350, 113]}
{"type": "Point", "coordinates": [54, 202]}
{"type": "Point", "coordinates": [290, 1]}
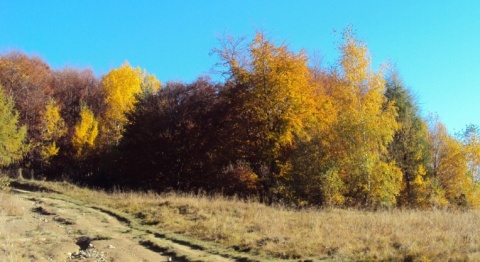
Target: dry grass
{"type": "Point", "coordinates": [8, 206]}
{"type": "Point", "coordinates": [9, 209]}
{"type": "Point", "coordinates": [275, 231]}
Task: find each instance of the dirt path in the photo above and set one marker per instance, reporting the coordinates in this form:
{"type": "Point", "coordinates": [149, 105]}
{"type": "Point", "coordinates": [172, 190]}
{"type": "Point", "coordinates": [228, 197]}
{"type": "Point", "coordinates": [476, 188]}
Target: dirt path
{"type": "Point", "coordinates": [35, 227]}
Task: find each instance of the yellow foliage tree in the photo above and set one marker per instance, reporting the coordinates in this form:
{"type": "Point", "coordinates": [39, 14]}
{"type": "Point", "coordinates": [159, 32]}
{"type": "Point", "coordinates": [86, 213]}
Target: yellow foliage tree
{"type": "Point", "coordinates": [366, 123]}
{"type": "Point", "coordinates": [12, 136]}
{"type": "Point", "coordinates": [121, 85]}
{"type": "Point", "coordinates": [314, 178]}
{"type": "Point", "coordinates": [280, 87]}
{"type": "Point", "coordinates": [277, 95]}
{"type": "Point", "coordinates": [471, 146]}
{"type": "Point", "coordinates": [273, 87]}
{"type": "Point", "coordinates": [150, 84]}
{"type": "Point", "coordinates": [53, 128]}
{"type": "Point", "coordinates": [345, 160]}
{"type": "Point", "coordinates": [450, 182]}
{"type": "Point", "coordinates": [85, 131]}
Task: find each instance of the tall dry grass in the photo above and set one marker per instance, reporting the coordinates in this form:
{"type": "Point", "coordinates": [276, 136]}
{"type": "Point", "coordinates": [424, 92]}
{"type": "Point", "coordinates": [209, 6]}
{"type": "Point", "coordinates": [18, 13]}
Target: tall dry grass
{"type": "Point", "coordinates": [276, 231]}
{"type": "Point", "coordinates": [9, 205]}
{"type": "Point", "coordinates": [10, 250]}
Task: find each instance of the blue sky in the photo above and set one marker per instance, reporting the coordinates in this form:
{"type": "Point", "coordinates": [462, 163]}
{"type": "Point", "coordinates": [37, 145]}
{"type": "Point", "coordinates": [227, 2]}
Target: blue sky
{"type": "Point", "coordinates": [434, 44]}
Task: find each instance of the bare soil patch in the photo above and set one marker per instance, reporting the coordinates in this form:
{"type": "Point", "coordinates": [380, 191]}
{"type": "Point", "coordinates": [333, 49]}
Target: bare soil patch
{"type": "Point", "coordinates": [36, 227]}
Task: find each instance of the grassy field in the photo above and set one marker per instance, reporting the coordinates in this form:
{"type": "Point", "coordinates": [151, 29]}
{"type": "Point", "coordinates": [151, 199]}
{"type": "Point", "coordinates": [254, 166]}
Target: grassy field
{"type": "Point", "coordinates": [275, 232]}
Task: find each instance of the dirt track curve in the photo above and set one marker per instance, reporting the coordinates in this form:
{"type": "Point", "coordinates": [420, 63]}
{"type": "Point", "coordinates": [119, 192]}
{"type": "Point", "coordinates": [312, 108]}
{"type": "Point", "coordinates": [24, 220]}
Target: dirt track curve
{"type": "Point", "coordinates": [54, 229]}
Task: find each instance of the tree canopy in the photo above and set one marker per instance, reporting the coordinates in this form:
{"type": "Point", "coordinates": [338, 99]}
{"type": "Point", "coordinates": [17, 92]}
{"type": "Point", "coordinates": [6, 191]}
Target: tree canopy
{"type": "Point", "coordinates": [12, 136]}
{"type": "Point", "coordinates": [278, 126]}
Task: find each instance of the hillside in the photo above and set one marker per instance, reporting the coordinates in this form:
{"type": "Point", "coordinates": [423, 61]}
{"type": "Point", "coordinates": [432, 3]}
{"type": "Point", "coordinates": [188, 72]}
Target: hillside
{"type": "Point", "coordinates": [55, 221]}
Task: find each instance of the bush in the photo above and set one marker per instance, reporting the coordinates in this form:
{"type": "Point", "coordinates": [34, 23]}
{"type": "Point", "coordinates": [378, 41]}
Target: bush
{"type": "Point", "coordinates": [5, 184]}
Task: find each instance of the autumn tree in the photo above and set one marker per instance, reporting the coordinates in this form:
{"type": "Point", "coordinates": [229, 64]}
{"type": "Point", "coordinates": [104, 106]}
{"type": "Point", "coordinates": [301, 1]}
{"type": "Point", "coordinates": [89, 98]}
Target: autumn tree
{"type": "Point", "coordinates": [168, 139]}
{"type": "Point", "coordinates": [85, 132]}
{"type": "Point", "coordinates": [448, 167]}
{"type": "Point", "coordinates": [273, 86]}
{"type": "Point", "coordinates": [470, 139]}
{"type": "Point", "coordinates": [12, 136]}
{"type": "Point", "coordinates": [149, 84]}
{"type": "Point", "coordinates": [121, 86]}
{"type": "Point", "coordinates": [53, 128]}
{"type": "Point", "coordinates": [28, 81]}
{"type": "Point", "coordinates": [346, 161]}
{"type": "Point", "coordinates": [314, 177]}
{"type": "Point", "coordinates": [409, 148]}
{"type": "Point", "coordinates": [73, 88]}
{"type": "Point", "coordinates": [365, 125]}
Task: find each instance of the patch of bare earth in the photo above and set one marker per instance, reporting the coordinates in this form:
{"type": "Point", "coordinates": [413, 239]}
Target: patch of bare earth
{"type": "Point", "coordinates": [36, 228]}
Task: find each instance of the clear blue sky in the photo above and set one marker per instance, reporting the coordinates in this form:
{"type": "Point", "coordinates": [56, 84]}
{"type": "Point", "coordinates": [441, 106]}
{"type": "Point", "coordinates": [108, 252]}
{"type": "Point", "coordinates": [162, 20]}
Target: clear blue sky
{"type": "Point", "coordinates": [435, 44]}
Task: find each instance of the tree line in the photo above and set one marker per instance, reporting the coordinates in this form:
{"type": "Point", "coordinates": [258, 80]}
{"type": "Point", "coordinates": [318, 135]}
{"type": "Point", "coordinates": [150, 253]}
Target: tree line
{"type": "Point", "coordinates": [277, 127]}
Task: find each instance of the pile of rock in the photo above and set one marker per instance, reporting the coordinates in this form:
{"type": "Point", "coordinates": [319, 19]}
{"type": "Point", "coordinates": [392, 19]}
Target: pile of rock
{"type": "Point", "coordinates": [87, 251]}
{"type": "Point", "coordinates": [88, 254]}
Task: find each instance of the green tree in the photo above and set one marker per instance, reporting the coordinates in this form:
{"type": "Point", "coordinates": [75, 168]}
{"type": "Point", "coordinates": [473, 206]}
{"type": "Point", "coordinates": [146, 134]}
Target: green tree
{"type": "Point", "coordinates": [12, 137]}
{"type": "Point", "coordinates": [409, 148]}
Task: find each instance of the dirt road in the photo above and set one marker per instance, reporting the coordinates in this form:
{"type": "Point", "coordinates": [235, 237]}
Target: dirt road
{"type": "Point", "coordinates": [36, 227]}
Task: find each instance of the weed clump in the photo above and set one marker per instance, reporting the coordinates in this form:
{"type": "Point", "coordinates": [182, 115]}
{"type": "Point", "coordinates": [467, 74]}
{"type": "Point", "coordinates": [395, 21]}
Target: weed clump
{"type": "Point", "coordinates": [5, 184]}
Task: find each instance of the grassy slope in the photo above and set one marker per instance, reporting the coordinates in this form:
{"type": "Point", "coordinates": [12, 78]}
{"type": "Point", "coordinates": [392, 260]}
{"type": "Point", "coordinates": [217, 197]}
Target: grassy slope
{"type": "Point", "coordinates": [259, 232]}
